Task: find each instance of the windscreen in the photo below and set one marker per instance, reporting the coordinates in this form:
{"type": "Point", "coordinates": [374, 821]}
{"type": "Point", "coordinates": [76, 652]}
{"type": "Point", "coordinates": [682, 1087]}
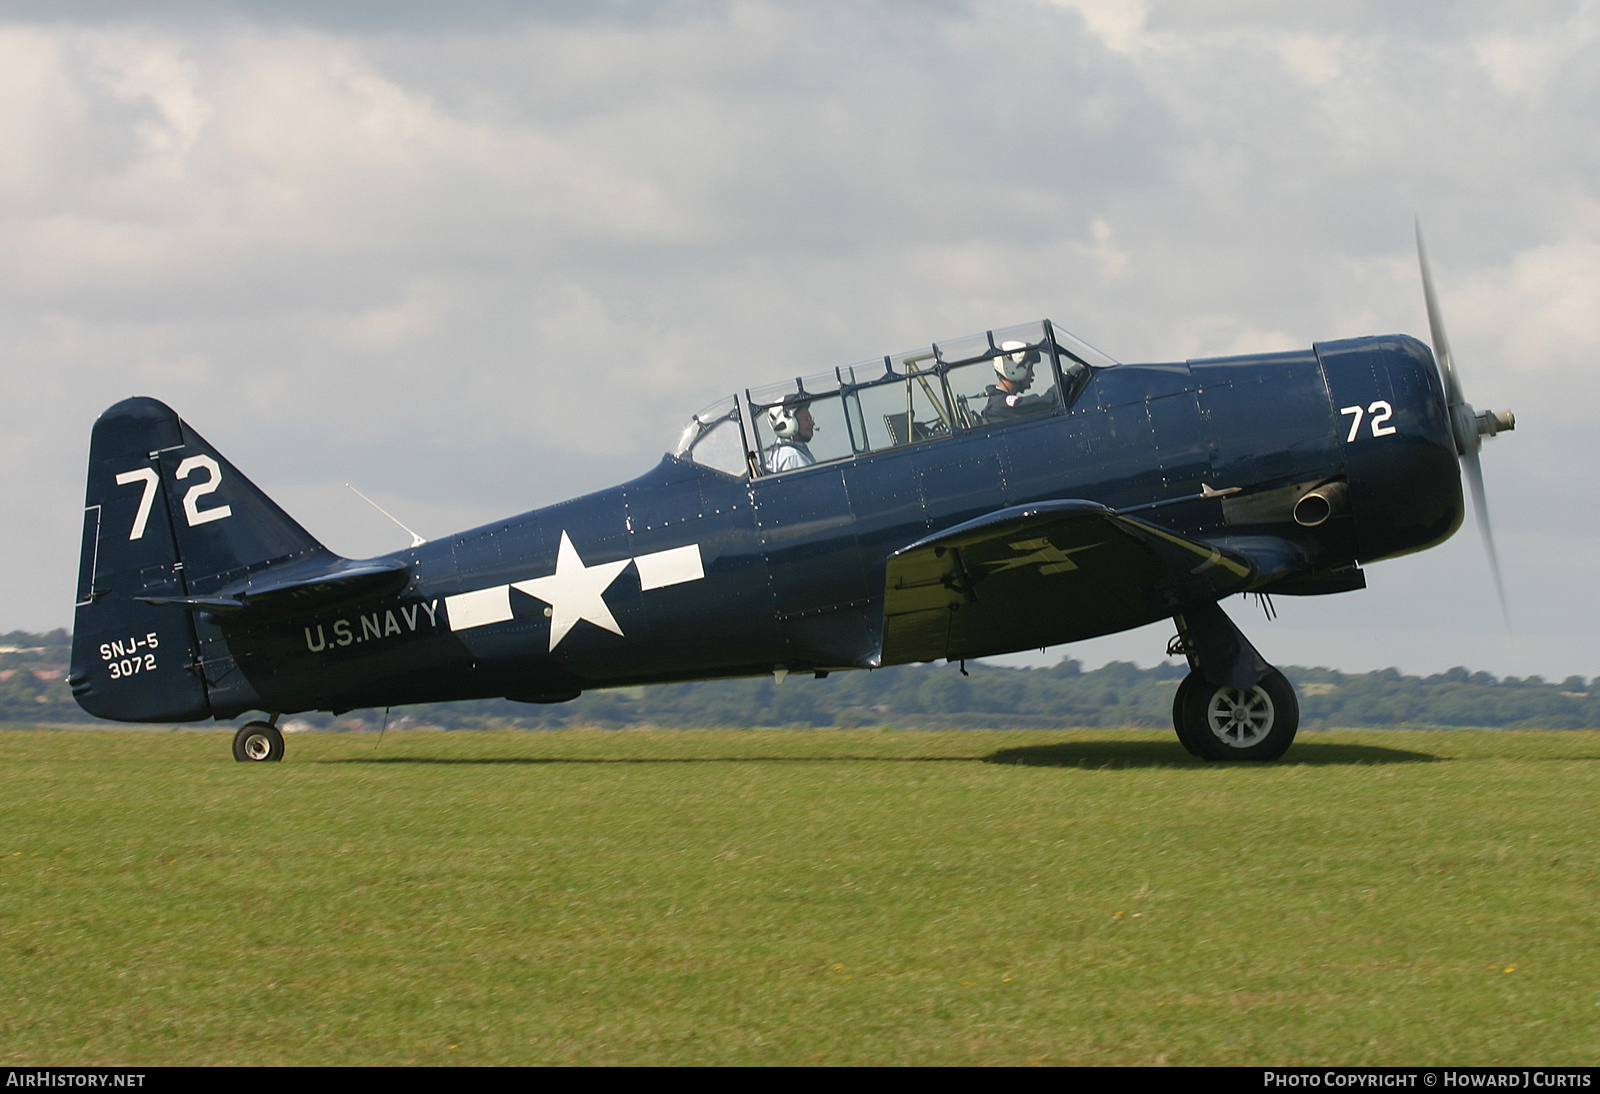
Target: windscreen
{"type": "Point", "coordinates": [714, 438]}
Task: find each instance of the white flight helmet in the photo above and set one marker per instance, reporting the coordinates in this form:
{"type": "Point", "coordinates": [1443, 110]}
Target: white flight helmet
{"type": "Point", "coordinates": [783, 418]}
{"type": "Point", "coordinates": [1017, 364]}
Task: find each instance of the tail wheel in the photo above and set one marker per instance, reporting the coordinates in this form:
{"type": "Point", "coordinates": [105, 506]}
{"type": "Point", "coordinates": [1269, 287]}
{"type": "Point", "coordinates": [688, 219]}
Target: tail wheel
{"type": "Point", "coordinates": [258, 742]}
{"type": "Point", "coordinates": [1226, 723]}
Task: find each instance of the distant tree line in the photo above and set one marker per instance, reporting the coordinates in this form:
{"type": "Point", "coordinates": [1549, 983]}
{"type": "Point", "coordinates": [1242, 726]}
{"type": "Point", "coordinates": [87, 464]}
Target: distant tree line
{"type": "Point", "coordinates": [34, 689]}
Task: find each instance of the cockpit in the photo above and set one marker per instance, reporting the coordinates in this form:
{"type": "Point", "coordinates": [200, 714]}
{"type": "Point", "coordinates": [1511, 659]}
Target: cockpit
{"type": "Point", "coordinates": [980, 382]}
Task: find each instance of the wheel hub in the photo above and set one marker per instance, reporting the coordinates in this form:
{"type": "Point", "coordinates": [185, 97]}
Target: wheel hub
{"type": "Point", "coordinates": [1240, 719]}
{"type": "Point", "coordinates": [257, 747]}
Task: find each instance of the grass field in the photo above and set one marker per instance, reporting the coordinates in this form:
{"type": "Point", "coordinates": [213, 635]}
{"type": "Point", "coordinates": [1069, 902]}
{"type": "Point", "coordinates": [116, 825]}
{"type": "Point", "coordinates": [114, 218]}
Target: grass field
{"type": "Point", "coordinates": [849, 897]}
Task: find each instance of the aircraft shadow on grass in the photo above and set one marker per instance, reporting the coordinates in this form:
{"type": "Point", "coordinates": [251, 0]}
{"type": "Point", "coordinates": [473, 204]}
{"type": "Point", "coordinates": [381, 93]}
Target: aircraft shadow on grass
{"type": "Point", "coordinates": [1121, 754]}
{"type": "Point", "coordinates": [469, 761]}
{"type": "Point", "coordinates": [1095, 754]}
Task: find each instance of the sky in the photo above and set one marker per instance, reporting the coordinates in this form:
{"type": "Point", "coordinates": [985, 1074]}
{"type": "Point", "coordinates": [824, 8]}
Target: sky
{"type": "Point", "coordinates": [480, 257]}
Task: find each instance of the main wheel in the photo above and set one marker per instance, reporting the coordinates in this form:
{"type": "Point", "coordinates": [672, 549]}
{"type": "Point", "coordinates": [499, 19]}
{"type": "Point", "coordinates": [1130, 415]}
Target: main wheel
{"type": "Point", "coordinates": [1187, 736]}
{"type": "Point", "coordinates": [1224, 723]}
{"type": "Point", "coordinates": [257, 742]}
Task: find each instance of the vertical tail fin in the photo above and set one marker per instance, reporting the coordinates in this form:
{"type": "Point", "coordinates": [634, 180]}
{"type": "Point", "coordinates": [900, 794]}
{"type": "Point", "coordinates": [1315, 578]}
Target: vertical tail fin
{"type": "Point", "coordinates": [166, 516]}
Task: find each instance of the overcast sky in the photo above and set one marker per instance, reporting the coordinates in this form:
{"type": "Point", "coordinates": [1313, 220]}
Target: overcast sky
{"type": "Point", "coordinates": [476, 258]}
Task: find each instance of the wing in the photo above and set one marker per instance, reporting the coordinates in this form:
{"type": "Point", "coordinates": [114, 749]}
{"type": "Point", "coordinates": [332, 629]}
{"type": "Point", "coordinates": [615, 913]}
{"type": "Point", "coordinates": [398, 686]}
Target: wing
{"type": "Point", "coordinates": [1038, 575]}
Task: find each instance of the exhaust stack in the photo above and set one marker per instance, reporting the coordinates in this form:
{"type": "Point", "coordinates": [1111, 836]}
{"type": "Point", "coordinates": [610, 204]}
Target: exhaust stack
{"type": "Point", "coordinates": [1316, 506]}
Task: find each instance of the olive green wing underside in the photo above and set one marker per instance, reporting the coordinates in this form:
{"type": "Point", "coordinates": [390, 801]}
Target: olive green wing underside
{"type": "Point", "coordinates": [1042, 574]}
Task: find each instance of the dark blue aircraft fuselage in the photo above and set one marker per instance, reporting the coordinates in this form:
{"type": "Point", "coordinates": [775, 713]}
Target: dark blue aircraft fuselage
{"type": "Point", "coordinates": [791, 567]}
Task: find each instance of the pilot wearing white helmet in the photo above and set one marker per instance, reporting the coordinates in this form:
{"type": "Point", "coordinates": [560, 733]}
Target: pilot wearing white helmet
{"type": "Point", "coordinates": [1015, 370]}
{"type": "Point", "coordinates": [792, 424]}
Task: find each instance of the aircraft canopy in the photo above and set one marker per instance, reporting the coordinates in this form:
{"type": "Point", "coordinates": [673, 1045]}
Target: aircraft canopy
{"type": "Point", "coordinates": [907, 398]}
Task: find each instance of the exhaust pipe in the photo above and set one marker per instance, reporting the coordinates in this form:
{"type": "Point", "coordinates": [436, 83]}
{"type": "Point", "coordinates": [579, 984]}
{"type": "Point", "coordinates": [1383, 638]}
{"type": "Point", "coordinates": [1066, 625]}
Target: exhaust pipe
{"type": "Point", "coordinates": [1318, 505]}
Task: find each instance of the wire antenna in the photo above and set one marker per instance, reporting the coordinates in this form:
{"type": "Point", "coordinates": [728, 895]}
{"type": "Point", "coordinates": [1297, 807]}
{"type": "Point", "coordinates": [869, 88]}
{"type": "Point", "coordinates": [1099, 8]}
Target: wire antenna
{"type": "Point", "coordinates": [416, 540]}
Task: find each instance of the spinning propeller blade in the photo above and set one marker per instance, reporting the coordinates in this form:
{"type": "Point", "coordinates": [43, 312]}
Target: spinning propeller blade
{"type": "Point", "coordinates": [1467, 427]}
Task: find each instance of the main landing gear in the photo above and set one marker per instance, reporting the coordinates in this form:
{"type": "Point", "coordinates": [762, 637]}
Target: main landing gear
{"type": "Point", "coordinates": [258, 742]}
{"type": "Point", "coordinates": [1232, 705]}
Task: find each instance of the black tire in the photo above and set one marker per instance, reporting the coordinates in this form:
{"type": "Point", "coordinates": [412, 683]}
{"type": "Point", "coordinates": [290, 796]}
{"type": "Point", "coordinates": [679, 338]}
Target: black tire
{"type": "Point", "coordinates": [1180, 722]}
{"type": "Point", "coordinates": [257, 742]}
{"type": "Point", "coordinates": [1227, 724]}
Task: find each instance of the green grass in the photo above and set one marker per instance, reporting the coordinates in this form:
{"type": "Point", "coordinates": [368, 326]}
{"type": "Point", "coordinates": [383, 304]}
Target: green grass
{"type": "Point", "coordinates": [816, 896]}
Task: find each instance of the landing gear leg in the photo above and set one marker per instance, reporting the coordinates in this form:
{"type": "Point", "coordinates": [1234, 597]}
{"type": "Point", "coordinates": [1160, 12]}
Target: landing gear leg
{"type": "Point", "coordinates": [258, 742]}
{"type": "Point", "coordinates": [1232, 705]}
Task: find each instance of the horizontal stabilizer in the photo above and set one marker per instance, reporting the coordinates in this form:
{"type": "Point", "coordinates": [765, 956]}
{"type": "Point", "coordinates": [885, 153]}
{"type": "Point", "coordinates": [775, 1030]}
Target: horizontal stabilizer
{"type": "Point", "coordinates": [299, 586]}
{"type": "Point", "coordinates": [1036, 575]}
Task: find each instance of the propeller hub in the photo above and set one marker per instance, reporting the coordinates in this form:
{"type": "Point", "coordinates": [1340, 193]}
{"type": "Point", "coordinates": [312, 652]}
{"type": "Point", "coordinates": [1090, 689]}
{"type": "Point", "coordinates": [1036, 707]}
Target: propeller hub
{"type": "Point", "coordinates": [1491, 422]}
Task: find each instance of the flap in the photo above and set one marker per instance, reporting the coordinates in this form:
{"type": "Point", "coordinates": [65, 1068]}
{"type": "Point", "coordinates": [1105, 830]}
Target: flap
{"type": "Point", "coordinates": [1037, 575]}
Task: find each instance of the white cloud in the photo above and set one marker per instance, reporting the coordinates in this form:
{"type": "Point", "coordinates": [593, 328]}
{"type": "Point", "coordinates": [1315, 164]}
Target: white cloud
{"type": "Point", "coordinates": [1119, 24]}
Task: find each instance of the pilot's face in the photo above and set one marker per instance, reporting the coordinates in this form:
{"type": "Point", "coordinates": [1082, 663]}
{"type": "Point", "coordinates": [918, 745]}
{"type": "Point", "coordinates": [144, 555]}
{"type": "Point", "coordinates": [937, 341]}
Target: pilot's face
{"type": "Point", "coordinates": [1019, 385]}
{"type": "Point", "coordinates": [804, 425]}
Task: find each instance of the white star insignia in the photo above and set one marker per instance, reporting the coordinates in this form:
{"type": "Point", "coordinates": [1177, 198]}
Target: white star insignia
{"type": "Point", "coordinates": [575, 591]}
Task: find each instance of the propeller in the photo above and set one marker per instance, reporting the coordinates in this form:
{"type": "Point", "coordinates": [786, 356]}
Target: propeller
{"type": "Point", "coordinates": [1468, 427]}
